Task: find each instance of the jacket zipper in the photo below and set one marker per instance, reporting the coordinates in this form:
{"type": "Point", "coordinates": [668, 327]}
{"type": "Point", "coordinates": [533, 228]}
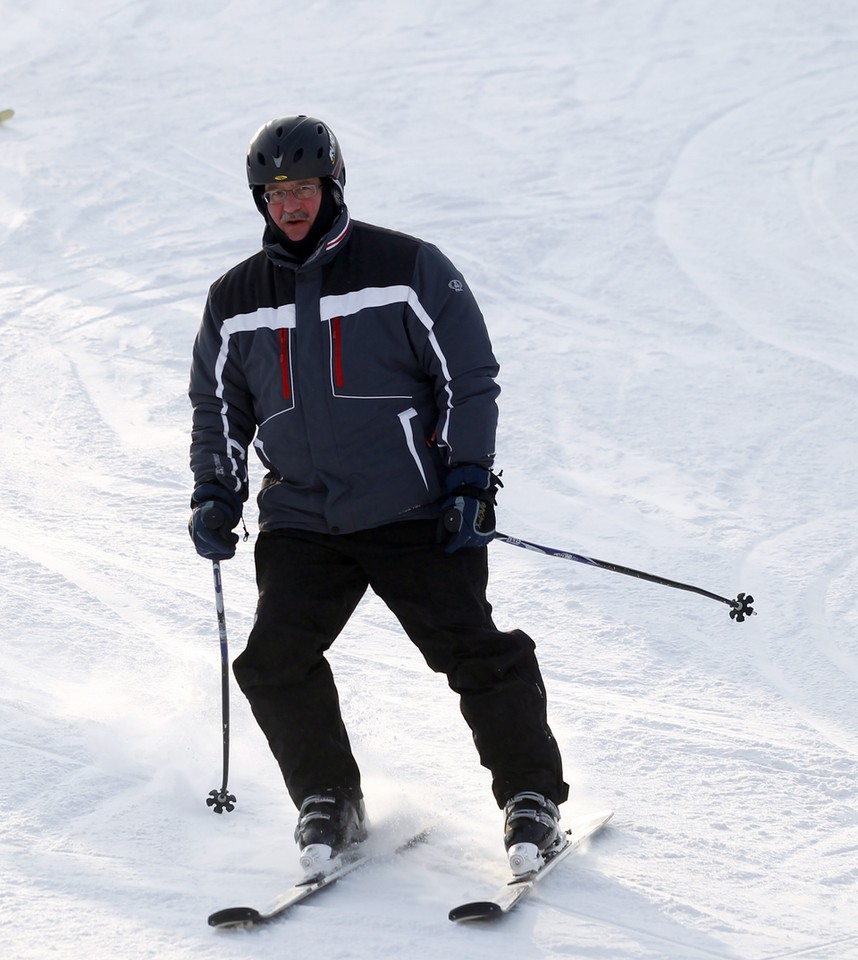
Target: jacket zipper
{"type": "Point", "coordinates": [336, 335]}
{"type": "Point", "coordinates": [284, 362]}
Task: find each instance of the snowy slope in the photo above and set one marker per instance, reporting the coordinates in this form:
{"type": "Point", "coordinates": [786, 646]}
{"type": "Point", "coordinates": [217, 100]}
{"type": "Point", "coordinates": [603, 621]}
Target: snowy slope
{"type": "Point", "coordinates": [655, 204]}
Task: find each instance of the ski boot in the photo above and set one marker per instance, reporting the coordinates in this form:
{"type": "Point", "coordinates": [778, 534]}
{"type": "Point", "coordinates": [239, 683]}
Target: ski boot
{"type": "Point", "coordinates": [531, 831]}
{"type": "Point", "coordinates": [328, 825]}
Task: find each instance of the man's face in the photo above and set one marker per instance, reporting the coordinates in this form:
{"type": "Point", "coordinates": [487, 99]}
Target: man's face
{"type": "Point", "coordinates": [293, 215]}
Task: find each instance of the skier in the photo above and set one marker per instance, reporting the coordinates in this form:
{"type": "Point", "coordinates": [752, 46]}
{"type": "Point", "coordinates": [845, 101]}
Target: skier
{"type": "Point", "coordinates": [356, 362]}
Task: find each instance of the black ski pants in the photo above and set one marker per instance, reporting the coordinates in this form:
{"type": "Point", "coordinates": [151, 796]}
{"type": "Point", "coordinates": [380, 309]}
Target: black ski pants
{"type": "Point", "coordinates": [309, 585]}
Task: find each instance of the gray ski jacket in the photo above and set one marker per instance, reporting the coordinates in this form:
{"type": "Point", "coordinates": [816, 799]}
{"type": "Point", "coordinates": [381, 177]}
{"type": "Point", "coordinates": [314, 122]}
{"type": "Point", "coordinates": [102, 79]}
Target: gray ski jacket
{"type": "Point", "coordinates": [360, 377]}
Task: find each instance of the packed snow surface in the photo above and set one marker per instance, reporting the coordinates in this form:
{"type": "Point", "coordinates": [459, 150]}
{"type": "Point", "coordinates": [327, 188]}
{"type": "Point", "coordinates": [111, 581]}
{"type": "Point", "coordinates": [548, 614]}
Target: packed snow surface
{"type": "Point", "coordinates": [655, 205]}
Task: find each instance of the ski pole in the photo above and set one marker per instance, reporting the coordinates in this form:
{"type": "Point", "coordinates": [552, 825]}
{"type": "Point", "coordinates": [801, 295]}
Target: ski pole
{"type": "Point", "coordinates": [739, 608]}
{"type": "Point", "coordinates": [220, 800]}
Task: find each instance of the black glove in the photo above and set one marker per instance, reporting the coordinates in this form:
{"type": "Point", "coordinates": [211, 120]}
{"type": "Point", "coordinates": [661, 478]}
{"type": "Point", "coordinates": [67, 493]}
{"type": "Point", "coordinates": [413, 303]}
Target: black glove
{"type": "Point", "coordinates": [215, 512]}
{"type": "Point", "coordinates": [468, 516]}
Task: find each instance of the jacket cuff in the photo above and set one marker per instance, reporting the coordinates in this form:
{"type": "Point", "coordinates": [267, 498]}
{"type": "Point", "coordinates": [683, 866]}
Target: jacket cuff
{"type": "Point", "coordinates": [468, 475]}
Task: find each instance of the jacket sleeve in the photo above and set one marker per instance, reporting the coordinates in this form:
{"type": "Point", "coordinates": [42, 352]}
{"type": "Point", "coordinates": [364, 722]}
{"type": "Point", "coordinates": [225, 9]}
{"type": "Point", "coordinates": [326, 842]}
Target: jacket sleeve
{"type": "Point", "coordinates": [457, 354]}
{"type": "Point", "coordinates": [223, 420]}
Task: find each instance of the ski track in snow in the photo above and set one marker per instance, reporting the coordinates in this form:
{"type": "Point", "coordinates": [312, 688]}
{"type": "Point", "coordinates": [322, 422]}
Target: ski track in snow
{"type": "Point", "coordinates": [654, 204]}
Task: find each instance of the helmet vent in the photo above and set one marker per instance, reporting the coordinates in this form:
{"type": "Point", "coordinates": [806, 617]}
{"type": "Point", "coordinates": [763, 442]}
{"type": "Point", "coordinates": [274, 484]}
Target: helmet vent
{"type": "Point", "coordinates": [298, 154]}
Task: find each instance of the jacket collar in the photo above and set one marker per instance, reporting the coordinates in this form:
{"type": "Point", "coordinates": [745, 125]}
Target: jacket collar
{"type": "Point", "coordinates": [326, 248]}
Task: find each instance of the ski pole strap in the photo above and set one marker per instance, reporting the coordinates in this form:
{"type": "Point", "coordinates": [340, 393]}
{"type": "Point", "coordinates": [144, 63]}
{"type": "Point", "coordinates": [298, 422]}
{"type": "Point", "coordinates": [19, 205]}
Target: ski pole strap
{"type": "Point", "coordinates": [739, 608]}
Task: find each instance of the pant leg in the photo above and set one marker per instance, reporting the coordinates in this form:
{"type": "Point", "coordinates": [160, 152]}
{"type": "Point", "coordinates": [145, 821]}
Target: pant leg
{"type": "Point", "coordinates": [307, 592]}
{"type": "Point", "coordinates": [440, 600]}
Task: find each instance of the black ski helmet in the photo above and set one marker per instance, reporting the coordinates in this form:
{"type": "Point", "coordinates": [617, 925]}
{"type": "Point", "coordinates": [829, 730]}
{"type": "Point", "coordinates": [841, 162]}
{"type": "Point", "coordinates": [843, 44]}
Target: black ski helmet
{"type": "Point", "coordinates": [294, 148]}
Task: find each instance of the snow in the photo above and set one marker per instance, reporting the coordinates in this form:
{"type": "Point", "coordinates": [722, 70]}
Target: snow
{"type": "Point", "coordinates": [654, 203]}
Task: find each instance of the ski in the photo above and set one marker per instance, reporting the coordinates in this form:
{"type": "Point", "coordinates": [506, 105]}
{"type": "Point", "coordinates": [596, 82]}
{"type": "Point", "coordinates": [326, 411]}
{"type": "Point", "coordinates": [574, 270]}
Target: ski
{"type": "Point", "coordinates": [6, 115]}
{"type": "Point", "coordinates": [237, 917]}
{"type": "Point", "coordinates": [518, 888]}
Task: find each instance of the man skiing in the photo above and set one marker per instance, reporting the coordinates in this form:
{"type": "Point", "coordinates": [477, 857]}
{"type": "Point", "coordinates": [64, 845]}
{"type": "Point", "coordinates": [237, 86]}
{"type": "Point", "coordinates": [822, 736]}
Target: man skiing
{"type": "Point", "coordinates": [356, 362]}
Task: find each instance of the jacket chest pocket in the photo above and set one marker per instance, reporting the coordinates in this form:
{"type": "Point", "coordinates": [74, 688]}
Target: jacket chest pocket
{"type": "Point", "coordinates": [285, 360]}
{"type": "Point", "coordinates": [337, 352]}
{"type": "Point", "coordinates": [366, 361]}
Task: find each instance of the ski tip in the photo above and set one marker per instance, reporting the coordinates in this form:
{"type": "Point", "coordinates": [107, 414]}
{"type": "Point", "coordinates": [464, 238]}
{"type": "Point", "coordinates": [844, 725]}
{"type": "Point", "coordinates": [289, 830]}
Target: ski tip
{"type": "Point", "coordinates": [235, 917]}
{"type": "Point", "coordinates": [478, 910]}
